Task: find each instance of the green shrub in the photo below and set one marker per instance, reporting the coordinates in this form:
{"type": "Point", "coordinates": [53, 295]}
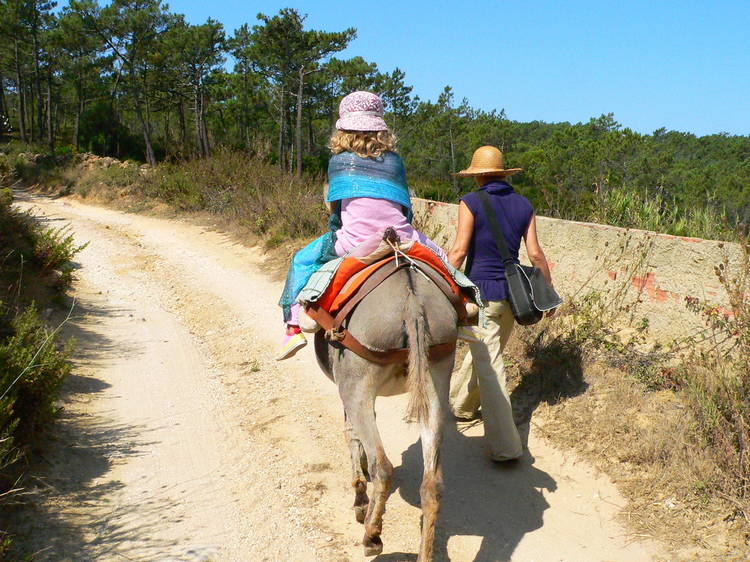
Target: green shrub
{"type": "Point", "coordinates": [32, 368]}
{"type": "Point", "coordinates": [107, 181]}
{"type": "Point", "coordinates": [33, 365]}
{"type": "Point", "coordinates": [54, 249]}
{"type": "Point", "coordinates": [6, 171]}
{"type": "Point", "coordinates": [270, 202]}
{"type": "Point", "coordinates": [631, 209]}
{"type": "Point", "coordinates": [6, 197]}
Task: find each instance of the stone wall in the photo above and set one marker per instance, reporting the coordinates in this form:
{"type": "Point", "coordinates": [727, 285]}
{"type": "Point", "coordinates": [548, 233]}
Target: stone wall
{"type": "Point", "coordinates": [652, 273]}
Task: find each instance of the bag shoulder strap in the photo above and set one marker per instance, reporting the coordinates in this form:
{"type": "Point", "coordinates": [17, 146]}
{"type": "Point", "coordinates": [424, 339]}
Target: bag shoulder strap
{"type": "Point", "coordinates": [494, 225]}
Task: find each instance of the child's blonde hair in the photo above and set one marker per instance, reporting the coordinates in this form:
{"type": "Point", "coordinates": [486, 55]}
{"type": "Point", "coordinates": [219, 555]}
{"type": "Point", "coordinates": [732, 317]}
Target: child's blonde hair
{"type": "Point", "coordinates": [365, 144]}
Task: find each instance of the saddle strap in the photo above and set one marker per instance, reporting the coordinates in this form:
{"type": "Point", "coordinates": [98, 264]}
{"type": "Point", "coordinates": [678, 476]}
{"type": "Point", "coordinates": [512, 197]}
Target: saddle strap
{"type": "Point", "coordinates": [386, 271]}
{"type": "Point", "coordinates": [342, 336]}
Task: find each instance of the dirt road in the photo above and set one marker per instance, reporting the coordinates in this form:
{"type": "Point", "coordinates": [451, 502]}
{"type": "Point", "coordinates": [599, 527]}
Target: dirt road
{"type": "Point", "coordinates": [182, 439]}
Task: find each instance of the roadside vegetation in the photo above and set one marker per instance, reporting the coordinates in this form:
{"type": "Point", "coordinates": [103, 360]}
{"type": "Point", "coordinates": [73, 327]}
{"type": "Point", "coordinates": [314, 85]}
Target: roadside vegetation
{"type": "Point", "coordinates": [669, 423]}
{"type": "Point", "coordinates": [248, 189]}
{"type": "Point", "coordinates": [35, 270]}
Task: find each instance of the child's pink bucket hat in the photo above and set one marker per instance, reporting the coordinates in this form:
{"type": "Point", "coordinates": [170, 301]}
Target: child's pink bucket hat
{"type": "Point", "coordinates": [361, 111]}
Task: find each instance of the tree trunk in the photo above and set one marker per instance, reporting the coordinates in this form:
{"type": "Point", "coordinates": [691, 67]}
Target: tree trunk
{"type": "Point", "coordinates": [145, 126]}
{"type": "Point", "coordinates": [204, 150]}
{"type": "Point", "coordinates": [298, 129]}
{"type": "Point", "coordinates": [245, 133]}
{"type": "Point", "coordinates": [79, 111]}
{"type": "Point", "coordinates": [20, 90]}
{"type": "Point", "coordinates": [167, 134]}
{"type": "Point", "coordinates": [50, 131]}
{"type": "Point", "coordinates": [150, 158]}
{"type": "Point", "coordinates": [453, 162]}
{"type": "Point", "coordinates": [183, 127]}
{"type": "Point", "coordinates": [30, 111]}
{"type": "Point", "coordinates": [3, 108]}
{"type": "Point", "coordinates": [197, 112]}
{"type": "Point", "coordinates": [38, 88]}
{"type": "Point", "coordinates": [282, 122]}
{"type": "Point", "coordinates": [204, 128]}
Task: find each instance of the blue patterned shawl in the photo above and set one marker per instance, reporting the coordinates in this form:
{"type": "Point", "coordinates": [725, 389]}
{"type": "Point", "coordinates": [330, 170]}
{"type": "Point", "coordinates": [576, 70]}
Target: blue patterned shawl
{"type": "Point", "coordinates": [384, 177]}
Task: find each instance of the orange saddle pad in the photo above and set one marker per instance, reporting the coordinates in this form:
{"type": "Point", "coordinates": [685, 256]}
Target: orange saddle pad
{"type": "Point", "coordinates": [352, 273]}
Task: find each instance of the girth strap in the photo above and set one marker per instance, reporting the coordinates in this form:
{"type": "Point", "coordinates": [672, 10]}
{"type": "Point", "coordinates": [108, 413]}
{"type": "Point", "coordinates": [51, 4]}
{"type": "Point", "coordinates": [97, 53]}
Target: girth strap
{"type": "Point", "coordinates": [342, 336]}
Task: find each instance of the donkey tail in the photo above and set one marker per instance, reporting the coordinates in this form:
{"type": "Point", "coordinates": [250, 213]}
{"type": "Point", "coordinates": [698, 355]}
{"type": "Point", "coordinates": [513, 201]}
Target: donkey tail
{"type": "Point", "coordinates": [419, 378]}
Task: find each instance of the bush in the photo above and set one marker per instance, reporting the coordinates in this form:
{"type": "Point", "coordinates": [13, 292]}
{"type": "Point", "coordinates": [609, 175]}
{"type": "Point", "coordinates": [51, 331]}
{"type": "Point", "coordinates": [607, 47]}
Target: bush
{"type": "Point", "coordinates": [6, 198]}
{"type": "Point", "coordinates": [32, 368]}
{"type": "Point", "coordinates": [631, 209]}
{"type": "Point", "coordinates": [254, 193]}
{"type": "Point", "coordinates": [33, 364]}
{"type": "Point", "coordinates": [716, 376]}
{"type": "Point", "coordinates": [107, 181]}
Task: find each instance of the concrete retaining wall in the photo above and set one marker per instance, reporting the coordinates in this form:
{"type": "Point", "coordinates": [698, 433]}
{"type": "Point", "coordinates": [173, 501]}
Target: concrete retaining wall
{"type": "Point", "coordinates": [653, 273]}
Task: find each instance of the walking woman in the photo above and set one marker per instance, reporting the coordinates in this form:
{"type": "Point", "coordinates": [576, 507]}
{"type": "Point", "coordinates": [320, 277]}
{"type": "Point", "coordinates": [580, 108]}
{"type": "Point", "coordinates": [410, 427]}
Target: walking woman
{"type": "Point", "coordinates": [481, 378]}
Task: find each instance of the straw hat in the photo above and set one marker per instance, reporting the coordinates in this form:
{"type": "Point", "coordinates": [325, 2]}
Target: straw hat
{"type": "Point", "coordinates": [487, 161]}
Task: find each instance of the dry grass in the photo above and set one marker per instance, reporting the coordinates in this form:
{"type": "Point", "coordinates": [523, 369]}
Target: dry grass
{"type": "Point", "coordinates": [671, 430]}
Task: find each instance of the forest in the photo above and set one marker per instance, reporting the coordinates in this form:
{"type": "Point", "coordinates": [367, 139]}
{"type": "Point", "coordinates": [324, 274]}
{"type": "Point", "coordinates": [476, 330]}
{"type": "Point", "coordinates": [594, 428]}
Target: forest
{"type": "Point", "coordinates": [134, 80]}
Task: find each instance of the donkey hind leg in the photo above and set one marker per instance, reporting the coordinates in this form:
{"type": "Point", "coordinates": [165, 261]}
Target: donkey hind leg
{"type": "Point", "coordinates": [359, 466]}
{"type": "Point", "coordinates": [360, 410]}
{"type": "Point", "coordinates": [431, 434]}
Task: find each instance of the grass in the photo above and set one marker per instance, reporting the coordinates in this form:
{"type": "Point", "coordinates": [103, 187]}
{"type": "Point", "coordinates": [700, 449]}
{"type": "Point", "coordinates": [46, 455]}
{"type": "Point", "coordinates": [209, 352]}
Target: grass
{"type": "Point", "coordinates": [621, 206]}
{"type": "Point", "coordinates": [630, 209]}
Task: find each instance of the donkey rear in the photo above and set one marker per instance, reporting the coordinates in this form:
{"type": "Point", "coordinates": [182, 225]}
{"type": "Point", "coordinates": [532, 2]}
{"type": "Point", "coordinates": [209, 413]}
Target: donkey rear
{"type": "Point", "coordinates": [406, 310]}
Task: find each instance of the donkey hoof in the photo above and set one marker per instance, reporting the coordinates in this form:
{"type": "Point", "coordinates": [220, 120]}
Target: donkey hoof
{"type": "Point", "coordinates": [373, 545]}
{"type": "Point", "coordinates": [360, 512]}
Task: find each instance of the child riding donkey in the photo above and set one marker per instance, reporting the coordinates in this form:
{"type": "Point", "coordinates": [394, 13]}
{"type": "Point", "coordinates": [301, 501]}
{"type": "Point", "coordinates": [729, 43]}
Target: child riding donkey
{"type": "Point", "coordinates": [367, 194]}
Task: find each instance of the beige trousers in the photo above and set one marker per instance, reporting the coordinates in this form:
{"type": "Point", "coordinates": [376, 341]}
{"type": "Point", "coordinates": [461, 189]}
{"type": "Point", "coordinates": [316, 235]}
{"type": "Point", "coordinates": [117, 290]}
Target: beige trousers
{"type": "Point", "coordinates": [481, 381]}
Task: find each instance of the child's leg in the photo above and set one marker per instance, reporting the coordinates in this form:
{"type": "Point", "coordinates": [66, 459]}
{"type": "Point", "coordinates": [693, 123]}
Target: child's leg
{"type": "Point", "coordinates": [294, 318]}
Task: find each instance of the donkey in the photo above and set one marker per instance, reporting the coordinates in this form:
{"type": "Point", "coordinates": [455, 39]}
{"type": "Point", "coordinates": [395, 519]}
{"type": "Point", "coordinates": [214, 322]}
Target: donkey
{"type": "Point", "coordinates": [406, 309]}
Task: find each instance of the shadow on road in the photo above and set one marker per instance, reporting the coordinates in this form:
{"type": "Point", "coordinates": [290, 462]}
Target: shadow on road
{"type": "Point", "coordinates": [499, 503]}
{"type": "Point", "coordinates": [69, 509]}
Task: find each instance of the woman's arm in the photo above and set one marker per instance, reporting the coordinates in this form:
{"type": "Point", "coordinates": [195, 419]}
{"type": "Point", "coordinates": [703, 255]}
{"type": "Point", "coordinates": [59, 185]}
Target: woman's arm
{"type": "Point", "coordinates": [536, 254]}
{"type": "Point", "coordinates": [534, 250]}
{"type": "Point", "coordinates": [464, 232]}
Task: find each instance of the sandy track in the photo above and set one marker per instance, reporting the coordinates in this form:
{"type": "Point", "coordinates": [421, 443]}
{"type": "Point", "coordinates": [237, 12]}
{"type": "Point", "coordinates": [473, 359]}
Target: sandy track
{"type": "Point", "coordinates": [183, 440]}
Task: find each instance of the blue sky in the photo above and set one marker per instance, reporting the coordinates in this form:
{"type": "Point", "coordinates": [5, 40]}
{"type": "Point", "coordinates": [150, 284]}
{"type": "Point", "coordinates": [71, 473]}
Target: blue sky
{"type": "Point", "coordinates": [683, 65]}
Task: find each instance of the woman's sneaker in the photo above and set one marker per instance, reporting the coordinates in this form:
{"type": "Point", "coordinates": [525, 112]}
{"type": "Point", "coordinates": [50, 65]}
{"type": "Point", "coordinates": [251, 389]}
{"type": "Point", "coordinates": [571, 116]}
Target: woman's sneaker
{"type": "Point", "coordinates": [292, 344]}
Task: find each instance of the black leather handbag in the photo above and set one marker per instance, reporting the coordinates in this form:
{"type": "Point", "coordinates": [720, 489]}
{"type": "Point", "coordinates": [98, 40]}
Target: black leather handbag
{"type": "Point", "coordinates": [529, 294]}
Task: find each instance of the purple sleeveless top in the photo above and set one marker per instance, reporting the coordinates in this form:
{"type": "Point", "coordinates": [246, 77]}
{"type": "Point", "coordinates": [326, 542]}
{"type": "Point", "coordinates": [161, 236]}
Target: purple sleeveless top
{"type": "Point", "coordinates": [514, 212]}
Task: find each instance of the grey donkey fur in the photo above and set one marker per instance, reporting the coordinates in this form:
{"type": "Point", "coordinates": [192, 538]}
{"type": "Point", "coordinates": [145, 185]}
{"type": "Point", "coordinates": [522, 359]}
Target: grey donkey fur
{"type": "Point", "coordinates": [405, 310]}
